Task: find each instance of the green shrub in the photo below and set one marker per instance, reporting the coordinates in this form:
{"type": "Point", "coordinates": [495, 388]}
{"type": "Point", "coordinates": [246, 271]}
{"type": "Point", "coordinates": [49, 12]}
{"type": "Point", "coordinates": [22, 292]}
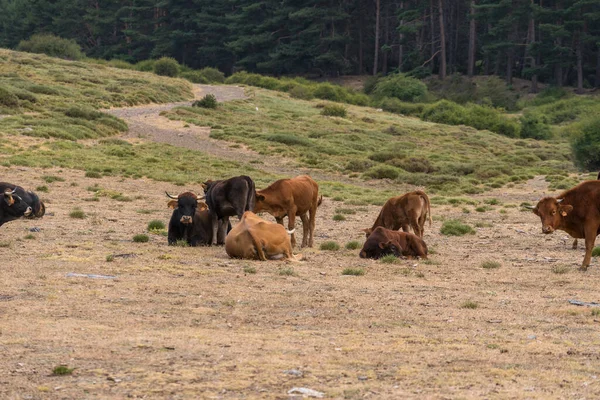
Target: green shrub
{"type": "Point", "coordinates": [330, 245]}
{"type": "Point", "coordinates": [8, 99]}
{"type": "Point", "coordinates": [339, 217]}
{"type": "Point", "coordinates": [480, 117]}
{"type": "Point", "coordinates": [353, 245]}
{"type": "Point", "coordinates": [334, 110]}
{"type": "Point", "coordinates": [586, 143]}
{"type": "Point", "coordinates": [93, 174]}
{"type": "Point", "coordinates": [194, 77]}
{"type": "Point", "coordinates": [358, 165]}
{"type": "Point", "coordinates": [212, 75]}
{"type": "Point", "coordinates": [43, 189]}
{"type": "Point", "coordinates": [121, 64]}
{"type": "Point", "coordinates": [455, 88]}
{"type": "Point", "coordinates": [145, 65]}
{"type": "Point", "coordinates": [549, 94]}
{"type": "Point", "coordinates": [208, 101]}
{"type": "Point", "coordinates": [62, 370]}
{"type": "Point", "coordinates": [51, 45]}
{"type": "Point", "coordinates": [327, 91]}
{"type": "Point", "coordinates": [156, 225]}
{"type": "Point", "coordinates": [290, 140]}
{"type": "Point", "coordinates": [453, 227]}
{"type": "Point", "coordinates": [77, 213]}
{"type": "Point", "coordinates": [445, 112]}
{"type": "Point", "coordinates": [469, 305]}
{"type": "Point", "coordinates": [287, 272]}
{"type": "Point", "coordinates": [83, 113]}
{"type": "Point", "coordinates": [249, 270]}
{"type": "Point", "coordinates": [394, 105]}
{"type": "Point", "coordinates": [390, 259]}
{"type": "Point", "coordinates": [383, 172]}
{"type": "Point", "coordinates": [493, 91]}
{"type": "Point", "coordinates": [490, 264]}
{"type": "Point", "coordinates": [370, 83]}
{"type": "Point", "coordinates": [534, 126]}
{"type": "Point", "coordinates": [353, 271]}
{"type": "Point", "coordinates": [166, 66]}
{"type": "Point", "coordinates": [301, 92]}
{"type": "Point", "coordinates": [414, 164]}
{"type": "Point", "coordinates": [401, 87]}
{"type": "Point", "coordinates": [596, 252]}
{"type": "Point", "coordinates": [141, 238]}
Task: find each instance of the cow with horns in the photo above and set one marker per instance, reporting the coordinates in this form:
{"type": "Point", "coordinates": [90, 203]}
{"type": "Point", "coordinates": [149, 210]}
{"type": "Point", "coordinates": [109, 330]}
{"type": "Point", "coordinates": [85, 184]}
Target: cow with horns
{"type": "Point", "coordinates": [17, 202]}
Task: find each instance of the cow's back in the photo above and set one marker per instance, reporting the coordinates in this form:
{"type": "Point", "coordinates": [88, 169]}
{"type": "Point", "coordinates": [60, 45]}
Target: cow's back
{"type": "Point", "coordinates": [585, 199]}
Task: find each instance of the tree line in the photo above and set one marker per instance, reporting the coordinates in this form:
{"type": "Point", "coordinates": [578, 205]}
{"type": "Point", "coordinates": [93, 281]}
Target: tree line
{"type": "Point", "coordinates": [549, 41]}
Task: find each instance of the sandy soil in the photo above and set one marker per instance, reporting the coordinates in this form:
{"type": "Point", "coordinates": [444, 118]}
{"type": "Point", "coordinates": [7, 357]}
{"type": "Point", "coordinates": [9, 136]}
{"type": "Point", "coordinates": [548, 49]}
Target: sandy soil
{"type": "Point", "coordinates": [191, 323]}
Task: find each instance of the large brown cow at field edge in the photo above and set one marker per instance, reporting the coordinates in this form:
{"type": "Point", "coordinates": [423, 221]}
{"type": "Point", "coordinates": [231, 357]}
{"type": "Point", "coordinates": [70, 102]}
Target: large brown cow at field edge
{"type": "Point", "coordinates": [575, 211]}
{"type": "Point", "coordinates": [298, 196]}
{"type": "Point", "coordinates": [410, 209]}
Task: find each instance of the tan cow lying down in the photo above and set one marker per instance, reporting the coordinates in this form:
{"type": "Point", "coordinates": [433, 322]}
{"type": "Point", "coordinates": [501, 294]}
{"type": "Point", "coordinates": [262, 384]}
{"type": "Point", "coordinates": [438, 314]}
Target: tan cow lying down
{"type": "Point", "coordinates": [253, 238]}
{"type": "Point", "coordinates": [410, 209]}
{"type": "Point", "coordinates": [293, 197]}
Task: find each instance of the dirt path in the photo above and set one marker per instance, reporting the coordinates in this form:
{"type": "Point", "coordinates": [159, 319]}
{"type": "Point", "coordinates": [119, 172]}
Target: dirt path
{"type": "Point", "coordinates": [145, 123]}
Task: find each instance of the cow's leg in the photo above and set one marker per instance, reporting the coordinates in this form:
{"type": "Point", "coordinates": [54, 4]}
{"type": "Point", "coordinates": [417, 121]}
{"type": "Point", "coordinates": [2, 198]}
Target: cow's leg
{"type": "Point", "coordinates": [222, 230]}
{"type": "Point", "coordinates": [590, 239]}
{"type": "Point", "coordinates": [312, 215]}
{"type": "Point", "coordinates": [292, 224]}
{"type": "Point", "coordinates": [575, 244]}
{"type": "Point", "coordinates": [305, 230]}
{"type": "Point", "coordinates": [215, 228]}
{"type": "Point", "coordinates": [279, 220]}
{"type": "Point", "coordinates": [405, 227]}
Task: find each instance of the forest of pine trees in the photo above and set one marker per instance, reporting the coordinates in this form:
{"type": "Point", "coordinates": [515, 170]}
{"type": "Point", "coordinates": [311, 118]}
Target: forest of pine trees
{"type": "Point", "coordinates": [549, 41]}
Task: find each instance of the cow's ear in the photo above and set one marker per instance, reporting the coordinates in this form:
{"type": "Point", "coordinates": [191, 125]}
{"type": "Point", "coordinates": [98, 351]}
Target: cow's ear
{"type": "Point", "coordinates": [172, 204]}
{"type": "Point", "coordinates": [202, 206]}
{"type": "Point", "coordinates": [367, 231]}
{"type": "Point", "coordinates": [9, 199]}
{"type": "Point", "coordinates": [384, 245]}
{"type": "Point", "coordinates": [260, 197]}
{"type": "Point", "coordinates": [564, 210]}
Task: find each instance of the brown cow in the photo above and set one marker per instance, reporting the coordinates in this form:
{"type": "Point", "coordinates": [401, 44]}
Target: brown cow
{"type": "Point", "coordinates": [385, 241]}
{"type": "Point", "coordinates": [253, 238]}
{"type": "Point", "coordinates": [292, 197]}
{"type": "Point", "coordinates": [575, 211]}
{"type": "Point", "coordinates": [410, 209]}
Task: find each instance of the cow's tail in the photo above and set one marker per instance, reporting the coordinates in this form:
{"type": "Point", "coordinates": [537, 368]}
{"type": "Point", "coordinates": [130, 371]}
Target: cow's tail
{"type": "Point", "coordinates": [426, 198]}
{"type": "Point", "coordinates": [251, 199]}
{"type": "Point", "coordinates": [320, 201]}
{"type": "Point", "coordinates": [257, 247]}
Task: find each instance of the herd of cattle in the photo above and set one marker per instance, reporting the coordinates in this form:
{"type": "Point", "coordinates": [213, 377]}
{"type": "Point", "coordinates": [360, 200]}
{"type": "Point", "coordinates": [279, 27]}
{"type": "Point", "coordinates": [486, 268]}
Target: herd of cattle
{"type": "Point", "coordinates": [575, 211]}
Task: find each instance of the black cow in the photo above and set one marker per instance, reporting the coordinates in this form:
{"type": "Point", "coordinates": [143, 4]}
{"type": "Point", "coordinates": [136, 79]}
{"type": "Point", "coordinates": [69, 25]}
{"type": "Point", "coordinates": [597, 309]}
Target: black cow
{"type": "Point", "coordinates": [227, 198]}
{"type": "Point", "coordinates": [16, 202]}
{"type": "Point", "coordinates": [190, 221]}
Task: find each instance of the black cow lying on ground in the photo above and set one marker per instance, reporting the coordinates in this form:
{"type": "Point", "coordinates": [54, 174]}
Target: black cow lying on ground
{"type": "Point", "coordinates": [17, 203]}
{"type": "Point", "coordinates": [191, 221]}
{"type": "Point", "coordinates": [382, 242]}
{"type": "Point", "coordinates": [227, 198]}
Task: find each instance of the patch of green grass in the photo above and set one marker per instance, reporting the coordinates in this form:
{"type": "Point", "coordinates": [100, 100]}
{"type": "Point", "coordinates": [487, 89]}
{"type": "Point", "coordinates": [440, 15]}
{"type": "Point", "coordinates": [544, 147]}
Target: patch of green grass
{"type": "Point", "coordinates": [43, 189]}
{"type": "Point", "coordinates": [453, 227]}
{"type": "Point", "coordinates": [339, 217]}
{"type": "Point", "coordinates": [156, 225]}
{"type": "Point", "coordinates": [52, 178]}
{"type": "Point", "coordinates": [353, 245]}
{"type": "Point", "coordinates": [490, 264]}
{"type": "Point", "coordinates": [141, 238]}
{"type": "Point", "coordinates": [330, 245]}
{"type": "Point", "coordinates": [4, 244]}
{"type": "Point", "coordinates": [346, 211]}
{"type": "Point", "coordinates": [595, 312]}
{"type": "Point", "coordinates": [390, 259]}
{"type": "Point", "coordinates": [249, 270]}
{"type": "Point", "coordinates": [560, 269]}
{"type": "Point", "coordinates": [93, 174]}
{"type": "Point", "coordinates": [62, 370]}
{"type": "Point", "coordinates": [182, 243]}
{"type": "Point", "coordinates": [353, 271]}
{"type": "Point", "coordinates": [77, 213]}
{"type": "Point", "coordinates": [29, 236]}
{"type": "Point", "coordinates": [110, 258]}
{"type": "Point", "coordinates": [288, 271]}
{"type": "Point", "coordinates": [596, 252]}
{"type": "Point", "coordinates": [469, 304]}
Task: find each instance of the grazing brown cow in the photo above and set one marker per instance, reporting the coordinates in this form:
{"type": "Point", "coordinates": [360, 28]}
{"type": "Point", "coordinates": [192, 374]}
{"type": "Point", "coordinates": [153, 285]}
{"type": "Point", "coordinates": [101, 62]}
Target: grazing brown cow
{"type": "Point", "coordinates": [385, 241]}
{"type": "Point", "coordinates": [293, 197]}
{"type": "Point", "coordinates": [410, 209]}
{"type": "Point", "coordinates": [575, 211]}
{"type": "Point", "coordinates": [253, 238]}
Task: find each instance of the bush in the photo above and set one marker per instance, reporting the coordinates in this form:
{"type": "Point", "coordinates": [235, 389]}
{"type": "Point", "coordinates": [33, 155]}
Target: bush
{"type": "Point", "coordinates": [586, 143]}
{"type": "Point", "coordinates": [327, 91]}
{"type": "Point", "coordinates": [141, 238]}
{"type": "Point", "coordinates": [383, 172]}
{"type": "Point", "coordinates": [480, 117]}
{"type": "Point", "coordinates": [353, 245]}
{"type": "Point", "coordinates": [334, 110]}
{"type": "Point", "coordinates": [401, 87]}
{"type": "Point", "coordinates": [83, 113]}
{"type": "Point", "coordinates": [212, 75]}
{"type": "Point", "coordinates": [394, 105]}
{"type": "Point", "coordinates": [208, 101]}
{"type": "Point", "coordinates": [77, 213]}
{"type": "Point", "coordinates": [194, 77]}
{"type": "Point", "coordinates": [330, 245]}
{"type": "Point", "coordinates": [370, 83]}
{"type": "Point", "coordinates": [453, 227]}
{"type": "Point", "coordinates": [490, 264]}
{"type": "Point", "coordinates": [145, 65]}
{"type": "Point", "coordinates": [414, 164]}
{"type": "Point", "coordinates": [455, 88]}
{"type": "Point", "coordinates": [493, 91]}
{"type": "Point", "coordinates": [445, 112]}
{"type": "Point", "coordinates": [357, 165]}
{"type": "Point", "coordinates": [166, 66]}
{"type": "Point", "coordinates": [353, 271]}
{"type": "Point", "coordinates": [8, 99]}
{"type": "Point", "coordinates": [550, 94]}
{"type": "Point", "coordinates": [301, 92]}
{"type": "Point", "coordinates": [121, 64]}
{"type": "Point", "coordinates": [596, 252]}
{"type": "Point", "coordinates": [51, 45]}
{"type": "Point", "coordinates": [534, 126]}
{"type": "Point", "coordinates": [290, 140]}
{"type": "Point", "coordinates": [156, 225]}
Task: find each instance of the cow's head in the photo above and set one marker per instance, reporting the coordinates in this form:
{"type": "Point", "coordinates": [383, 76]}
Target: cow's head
{"type": "Point", "coordinates": [378, 250]}
{"type": "Point", "coordinates": [552, 212]}
{"type": "Point", "coordinates": [37, 206]}
{"type": "Point", "coordinates": [14, 205]}
{"type": "Point", "coordinates": [186, 204]}
{"type": "Point", "coordinates": [265, 203]}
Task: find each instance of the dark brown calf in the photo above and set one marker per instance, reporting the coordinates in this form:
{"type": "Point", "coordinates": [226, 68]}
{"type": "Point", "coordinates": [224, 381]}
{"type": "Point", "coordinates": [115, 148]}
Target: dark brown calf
{"type": "Point", "coordinates": [385, 241]}
{"type": "Point", "coordinates": [575, 211]}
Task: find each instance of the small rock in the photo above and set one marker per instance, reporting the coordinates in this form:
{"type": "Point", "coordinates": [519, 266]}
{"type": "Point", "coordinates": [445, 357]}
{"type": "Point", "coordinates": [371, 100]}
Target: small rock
{"type": "Point", "coordinates": [306, 392]}
{"type": "Point", "coordinates": [363, 378]}
{"type": "Point", "coordinates": [34, 229]}
{"type": "Point", "coordinates": [293, 372]}
{"type": "Point", "coordinates": [531, 337]}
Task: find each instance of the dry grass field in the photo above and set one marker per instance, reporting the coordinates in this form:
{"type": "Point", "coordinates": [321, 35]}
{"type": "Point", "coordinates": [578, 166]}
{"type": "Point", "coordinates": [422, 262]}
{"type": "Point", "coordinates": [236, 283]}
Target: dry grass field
{"type": "Point", "coordinates": [179, 322]}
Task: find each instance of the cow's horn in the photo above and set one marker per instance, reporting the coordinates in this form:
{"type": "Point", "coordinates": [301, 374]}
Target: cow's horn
{"type": "Point", "coordinates": [291, 232]}
{"type": "Point", "coordinates": [559, 200]}
{"type": "Point", "coordinates": [529, 207]}
{"type": "Point", "coordinates": [202, 198]}
{"type": "Point", "coordinates": [171, 196]}
{"type": "Point", "coordinates": [10, 192]}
